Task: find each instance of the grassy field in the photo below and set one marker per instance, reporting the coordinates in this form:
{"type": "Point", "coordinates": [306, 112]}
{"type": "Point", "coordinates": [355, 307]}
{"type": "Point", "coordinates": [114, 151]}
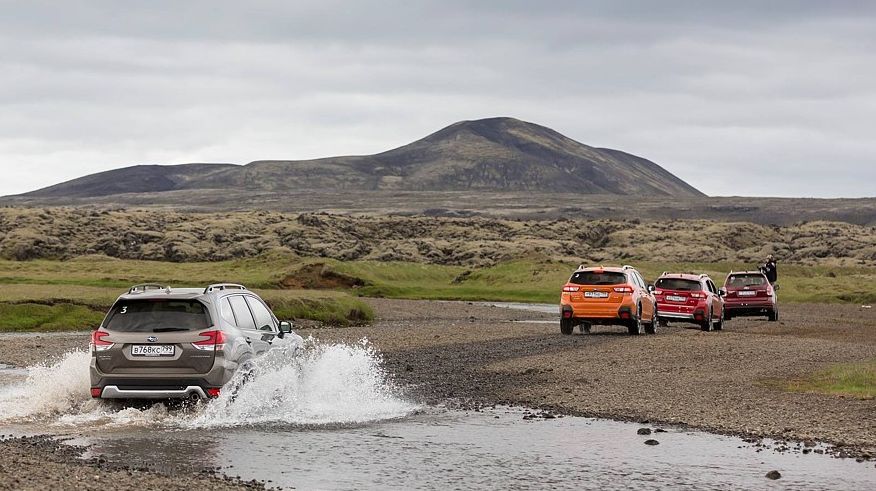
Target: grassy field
{"type": "Point", "coordinates": [533, 280]}
{"type": "Point", "coordinates": [848, 379]}
{"type": "Point", "coordinates": [44, 294]}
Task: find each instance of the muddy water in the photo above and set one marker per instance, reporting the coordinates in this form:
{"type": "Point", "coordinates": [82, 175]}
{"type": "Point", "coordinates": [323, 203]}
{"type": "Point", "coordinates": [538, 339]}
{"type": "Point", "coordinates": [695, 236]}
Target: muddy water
{"type": "Point", "coordinates": [327, 417]}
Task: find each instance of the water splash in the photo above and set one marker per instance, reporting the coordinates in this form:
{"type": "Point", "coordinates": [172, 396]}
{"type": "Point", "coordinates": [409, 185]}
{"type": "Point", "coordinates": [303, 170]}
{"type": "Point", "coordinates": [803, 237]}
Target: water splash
{"type": "Point", "coordinates": [313, 383]}
{"type": "Point", "coordinates": [296, 383]}
{"type": "Point", "coordinates": [50, 389]}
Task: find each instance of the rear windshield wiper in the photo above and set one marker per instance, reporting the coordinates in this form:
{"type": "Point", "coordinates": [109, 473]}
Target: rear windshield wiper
{"type": "Point", "coordinates": [170, 329]}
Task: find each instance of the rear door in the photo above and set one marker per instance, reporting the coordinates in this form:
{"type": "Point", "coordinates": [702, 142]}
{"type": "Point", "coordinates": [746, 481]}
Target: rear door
{"type": "Point", "coordinates": [154, 336]}
{"type": "Point", "coordinates": [597, 286]}
{"type": "Point", "coordinates": [247, 324]}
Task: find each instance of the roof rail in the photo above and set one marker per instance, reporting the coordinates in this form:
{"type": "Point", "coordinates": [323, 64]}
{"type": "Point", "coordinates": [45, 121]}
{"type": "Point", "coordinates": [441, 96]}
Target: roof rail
{"type": "Point", "coordinates": [224, 286]}
{"type": "Point", "coordinates": [627, 266]}
{"type": "Point", "coordinates": [142, 287]}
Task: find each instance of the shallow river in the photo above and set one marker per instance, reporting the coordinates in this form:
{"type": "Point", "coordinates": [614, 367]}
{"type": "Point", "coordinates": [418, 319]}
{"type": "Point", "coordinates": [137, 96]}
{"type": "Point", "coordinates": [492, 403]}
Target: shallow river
{"type": "Point", "coordinates": [328, 418]}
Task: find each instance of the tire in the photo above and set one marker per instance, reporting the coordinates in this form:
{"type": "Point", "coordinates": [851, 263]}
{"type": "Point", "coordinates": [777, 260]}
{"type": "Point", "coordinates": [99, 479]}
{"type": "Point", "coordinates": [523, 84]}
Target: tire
{"type": "Point", "coordinates": [707, 324]}
{"type": "Point", "coordinates": [727, 316]}
{"type": "Point", "coordinates": [636, 326]}
{"type": "Point", "coordinates": [719, 326]}
{"type": "Point", "coordinates": [773, 316]}
{"type": "Point", "coordinates": [566, 326]}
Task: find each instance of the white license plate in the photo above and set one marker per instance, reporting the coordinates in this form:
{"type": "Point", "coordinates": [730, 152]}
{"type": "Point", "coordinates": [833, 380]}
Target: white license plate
{"type": "Point", "coordinates": [596, 294]}
{"type": "Point", "coordinates": [747, 293]}
{"type": "Point", "coordinates": [675, 298]}
{"type": "Point", "coordinates": [152, 350]}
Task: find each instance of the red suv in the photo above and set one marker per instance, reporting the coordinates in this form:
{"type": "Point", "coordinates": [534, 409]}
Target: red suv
{"type": "Point", "coordinates": [748, 293]}
{"type": "Point", "coordinates": [690, 298]}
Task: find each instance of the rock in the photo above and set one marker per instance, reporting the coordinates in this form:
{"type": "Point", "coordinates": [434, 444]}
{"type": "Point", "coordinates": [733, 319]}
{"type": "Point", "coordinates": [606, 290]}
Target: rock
{"type": "Point", "coordinates": [652, 442]}
{"type": "Point", "coordinates": [773, 475]}
{"type": "Point", "coordinates": [643, 431]}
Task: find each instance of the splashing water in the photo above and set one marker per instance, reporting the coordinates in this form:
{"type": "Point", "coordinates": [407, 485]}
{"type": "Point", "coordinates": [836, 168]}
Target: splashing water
{"type": "Point", "coordinates": [49, 389]}
{"type": "Point", "coordinates": [312, 384]}
{"type": "Point", "coordinates": [296, 383]}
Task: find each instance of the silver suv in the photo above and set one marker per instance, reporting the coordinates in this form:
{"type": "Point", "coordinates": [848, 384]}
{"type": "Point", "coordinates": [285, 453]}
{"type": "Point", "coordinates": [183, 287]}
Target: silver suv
{"type": "Point", "coordinates": [159, 342]}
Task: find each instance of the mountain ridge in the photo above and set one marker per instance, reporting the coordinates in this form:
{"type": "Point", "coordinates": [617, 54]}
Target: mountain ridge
{"type": "Point", "coordinates": [492, 154]}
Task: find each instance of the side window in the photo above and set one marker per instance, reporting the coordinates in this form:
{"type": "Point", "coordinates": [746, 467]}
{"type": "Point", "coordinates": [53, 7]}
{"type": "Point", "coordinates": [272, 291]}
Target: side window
{"type": "Point", "coordinates": [711, 286]}
{"type": "Point", "coordinates": [263, 318]}
{"type": "Point", "coordinates": [226, 313]}
{"type": "Point", "coordinates": [639, 279]}
{"type": "Point", "coordinates": [241, 313]}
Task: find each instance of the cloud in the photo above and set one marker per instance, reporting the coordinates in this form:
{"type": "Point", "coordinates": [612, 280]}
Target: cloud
{"type": "Point", "coordinates": [737, 98]}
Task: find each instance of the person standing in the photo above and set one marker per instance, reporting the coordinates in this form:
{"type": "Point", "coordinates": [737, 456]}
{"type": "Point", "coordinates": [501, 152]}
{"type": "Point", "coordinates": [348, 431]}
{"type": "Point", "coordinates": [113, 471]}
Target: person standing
{"type": "Point", "coordinates": [770, 269]}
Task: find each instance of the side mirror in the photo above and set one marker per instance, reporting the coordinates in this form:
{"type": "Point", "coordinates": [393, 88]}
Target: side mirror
{"type": "Point", "coordinates": [651, 289]}
{"type": "Point", "coordinates": [722, 292]}
{"type": "Point", "coordinates": [285, 327]}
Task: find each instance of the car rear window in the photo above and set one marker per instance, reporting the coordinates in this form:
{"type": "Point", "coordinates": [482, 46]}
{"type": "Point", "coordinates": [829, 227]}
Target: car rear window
{"type": "Point", "coordinates": [743, 280]}
{"type": "Point", "coordinates": [594, 278]}
{"type": "Point", "coordinates": [157, 316]}
{"type": "Point", "coordinates": [678, 284]}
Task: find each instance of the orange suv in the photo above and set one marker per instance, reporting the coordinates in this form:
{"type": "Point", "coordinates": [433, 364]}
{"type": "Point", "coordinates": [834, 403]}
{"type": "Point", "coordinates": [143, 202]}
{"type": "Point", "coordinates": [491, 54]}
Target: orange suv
{"type": "Point", "coordinates": [608, 296]}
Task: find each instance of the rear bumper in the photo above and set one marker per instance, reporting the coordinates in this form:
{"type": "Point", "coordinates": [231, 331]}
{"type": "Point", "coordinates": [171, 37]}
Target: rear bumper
{"type": "Point", "coordinates": [114, 392]}
{"type": "Point", "coordinates": [749, 310]}
{"type": "Point", "coordinates": [158, 386]}
{"type": "Point", "coordinates": [603, 314]}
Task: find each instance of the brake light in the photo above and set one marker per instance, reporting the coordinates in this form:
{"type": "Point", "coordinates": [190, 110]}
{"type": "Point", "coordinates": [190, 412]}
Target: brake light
{"type": "Point", "coordinates": [658, 292]}
{"type": "Point", "coordinates": [98, 343]}
{"type": "Point", "coordinates": [215, 341]}
{"type": "Point", "coordinates": [569, 289]}
{"type": "Point", "coordinates": [697, 295]}
{"type": "Point", "coordinates": [213, 391]}
{"type": "Point", "coordinates": [623, 289]}
{"type": "Point", "coordinates": [96, 391]}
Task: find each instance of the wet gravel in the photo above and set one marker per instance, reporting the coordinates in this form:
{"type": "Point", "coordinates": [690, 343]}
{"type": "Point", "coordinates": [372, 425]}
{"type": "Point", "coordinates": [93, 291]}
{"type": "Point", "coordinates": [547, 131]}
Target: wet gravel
{"type": "Point", "coordinates": [729, 382]}
{"type": "Point", "coordinates": [472, 355]}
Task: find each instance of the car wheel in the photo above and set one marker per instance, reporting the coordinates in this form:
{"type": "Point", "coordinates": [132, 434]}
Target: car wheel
{"type": "Point", "coordinates": [663, 322]}
{"type": "Point", "coordinates": [566, 326]}
{"type": "Point", "coordinates": [720, 324]}
{"type": "Point", "coordinates": [707, 324]}
{"type": "Point", "coordinates": [585, 328]}
{"type": "Point", "coordinates": [636, 325]}
{"type": "Point", "coordinates": [773, 315]}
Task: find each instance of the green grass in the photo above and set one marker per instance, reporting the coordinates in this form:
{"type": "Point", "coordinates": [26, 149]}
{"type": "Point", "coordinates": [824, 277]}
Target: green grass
{"type": "Point", "coordinates": [533, 280]}
{"type": "Point", "coordinates": [58, 317]}
{"type": "Point", "coordinates": [93, 283]}
{"type": "Point", "coordinates": [848, 379]}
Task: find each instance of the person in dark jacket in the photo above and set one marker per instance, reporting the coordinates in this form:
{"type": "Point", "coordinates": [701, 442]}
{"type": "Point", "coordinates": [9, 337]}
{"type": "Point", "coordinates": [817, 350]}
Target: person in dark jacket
{"type": "Point", "coordinates": [770, 269]}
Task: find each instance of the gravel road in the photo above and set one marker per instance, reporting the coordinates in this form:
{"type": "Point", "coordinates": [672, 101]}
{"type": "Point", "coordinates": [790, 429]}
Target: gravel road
{"type": "Point", "coordinates": [473, 354]}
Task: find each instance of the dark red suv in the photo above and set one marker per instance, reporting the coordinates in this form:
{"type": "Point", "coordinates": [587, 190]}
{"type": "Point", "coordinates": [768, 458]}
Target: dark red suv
{"type": "Point", "coordinates": [748, 293]}
{"type": "Point", "coordinates": [689, 298]}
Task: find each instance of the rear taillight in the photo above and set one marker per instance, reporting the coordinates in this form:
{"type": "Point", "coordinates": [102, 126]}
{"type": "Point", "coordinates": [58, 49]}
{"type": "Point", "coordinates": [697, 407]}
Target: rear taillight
{"type": "Point", "coordinates": [658, 292]}
{"type": "Point", "coordinates": [213, 392]}
{"type": "Point", "coordinates": [697, 295]}
{"type": "Point", "coordinates": [570, 289]}
{"type": "Point", "coordinates": [98, 343]}
{"type": "Point", "coordinates": [214, 341]}
{"type": "Point", "coordinates": [623, 289]}
{"type": "Point", "coordinates": [96, 391]}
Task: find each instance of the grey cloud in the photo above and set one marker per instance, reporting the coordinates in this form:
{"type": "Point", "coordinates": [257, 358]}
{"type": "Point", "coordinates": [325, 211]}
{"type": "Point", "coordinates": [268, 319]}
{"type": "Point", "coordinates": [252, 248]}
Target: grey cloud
{"type": "Point", "coordinates": [715, 92]}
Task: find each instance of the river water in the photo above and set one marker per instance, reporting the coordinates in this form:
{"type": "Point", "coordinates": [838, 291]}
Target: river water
{"type": "Point", "coordinates": [329, 418]}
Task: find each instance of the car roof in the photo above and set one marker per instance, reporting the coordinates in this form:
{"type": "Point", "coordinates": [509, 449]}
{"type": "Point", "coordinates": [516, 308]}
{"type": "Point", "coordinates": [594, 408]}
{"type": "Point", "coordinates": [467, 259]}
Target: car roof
{"type": "Point", "coordinates": [684, 276]}
{"type": "Point", "coordinates": [745, 272]}
{"type": "Point", "coordinates": [168, 293]}
{"type": "Point", "coordinates": [610, 269]}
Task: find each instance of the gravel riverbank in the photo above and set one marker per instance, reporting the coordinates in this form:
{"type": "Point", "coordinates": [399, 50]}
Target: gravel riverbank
{"type": "Point", "coordinates": [472, 354]}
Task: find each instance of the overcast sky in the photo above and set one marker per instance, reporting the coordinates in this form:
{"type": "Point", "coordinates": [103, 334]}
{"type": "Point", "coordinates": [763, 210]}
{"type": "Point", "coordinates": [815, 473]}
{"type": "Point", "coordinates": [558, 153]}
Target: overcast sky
{"type": "Point", "coordinates": [770, 98]}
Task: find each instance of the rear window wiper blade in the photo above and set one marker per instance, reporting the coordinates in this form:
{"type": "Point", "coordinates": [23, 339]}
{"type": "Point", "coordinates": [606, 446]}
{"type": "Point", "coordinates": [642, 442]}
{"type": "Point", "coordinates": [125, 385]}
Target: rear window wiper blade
{"type": "Point", "coordinates": [170, 329]}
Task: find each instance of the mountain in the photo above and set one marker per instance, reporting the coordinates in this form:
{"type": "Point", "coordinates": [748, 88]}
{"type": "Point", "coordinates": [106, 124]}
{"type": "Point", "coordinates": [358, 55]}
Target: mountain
{"type": "Point", "coordinates": [495, 154]}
